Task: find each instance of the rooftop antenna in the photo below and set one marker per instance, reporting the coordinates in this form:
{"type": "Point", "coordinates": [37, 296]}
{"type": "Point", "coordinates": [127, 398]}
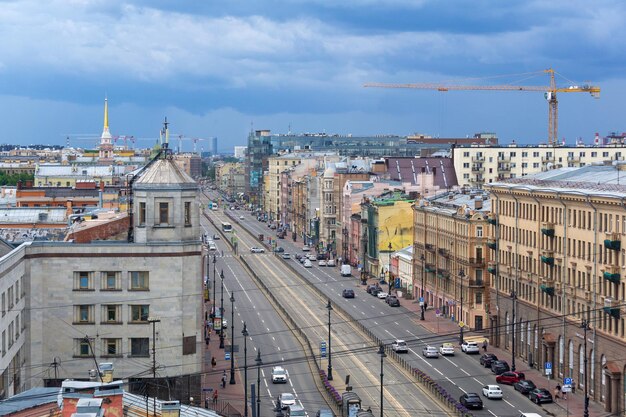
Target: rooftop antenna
{"type": "Point", "coordinates": [167, 133]}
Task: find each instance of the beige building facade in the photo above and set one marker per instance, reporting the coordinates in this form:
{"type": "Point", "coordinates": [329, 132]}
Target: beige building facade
{"type": "Point", "coordinates": [559, 258]}
{"type": "Point", "coordinates": [476, 166]}
{"type": "Point", "coordinates": [451, 256]}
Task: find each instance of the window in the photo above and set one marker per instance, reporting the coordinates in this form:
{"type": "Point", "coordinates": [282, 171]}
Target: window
{"type": "Point", "coordinates": [17, 292]}
{"type": "Point", "coordinates": [142, 213]}
{"type": "Point", "coordinates": [83, 347]}
{"type": "Point", "coordinates": [189, 345]}
{"type": "Point", "coordinates": [139, 346]}
{"type": "Point", "coordinates": [4, 342]}
{"type": "Point", "coordinates": [163, 213]}
{"type": "Point", "coordinates": [83, 281]}
{"type": "Point", "coordinates": [112, 347]}
{"type": "Point", "coordinates": [10, 297]}
{"type": "Point", "coordinates": [139, 280]}
{"type": "Point", "coordinates": [479, 231]}
{"type": "Point", "coordinates": [111, 281]}
{"type": "Point", "coordinates": [187, 213]}
{"type": "Point", "coordinates": [111, 313]}
{"type": "Point", "coordinates": [479, 298]}
{"type": "Point", "coordinates": [139, 313]}
{"type": "Point", "coordinates": [83, 314]}
{"type": "Point", "coordinates": [4, 304]}
{"type": "Point", "coordinates": [465, 164]}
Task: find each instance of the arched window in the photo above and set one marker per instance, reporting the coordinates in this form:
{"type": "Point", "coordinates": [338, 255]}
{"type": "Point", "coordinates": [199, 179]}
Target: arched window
{"type": "Point", "coordinates": [581, 366]}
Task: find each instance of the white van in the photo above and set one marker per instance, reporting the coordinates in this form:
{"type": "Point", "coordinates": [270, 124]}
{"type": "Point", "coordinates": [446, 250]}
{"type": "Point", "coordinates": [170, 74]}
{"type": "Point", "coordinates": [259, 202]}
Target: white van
{"type": "Point", "coordinates": [346, 270]}
{"type": "Point", "coordinates": [530, 415]}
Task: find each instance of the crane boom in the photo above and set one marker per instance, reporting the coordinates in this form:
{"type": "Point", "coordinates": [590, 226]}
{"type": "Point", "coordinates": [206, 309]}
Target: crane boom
{"type": "Point", "coordinates": [550, 95]}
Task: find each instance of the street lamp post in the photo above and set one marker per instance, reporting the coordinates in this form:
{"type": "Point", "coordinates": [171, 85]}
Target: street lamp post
{"type": "Point", "coordinates": [389, 266]}
{"type": "Point", "coordinates": [585, 327]}
{"type": "Point", "coordinates": [214, 262]}
{"type": "Point", "coordinates": [461, 323]}
{"type": "Point", "coordinates": [329, 307]}
{"type": "Point", "coordinates": [154, 321]}
{"type": "Point", "coordinates": [232, 338]}
{"type": "Point", "coordinates": [422, 305]}
{"type": "Point", "coordinates": [513, 298]}
{"type": "Point", "coordinates": [244, 333]}
{"type": "Point", "coordinates": [259, 362]}
{"type": "Point", "coordinates": [383, 355]}
{"type": "Point", "coordinates": [222, 310]}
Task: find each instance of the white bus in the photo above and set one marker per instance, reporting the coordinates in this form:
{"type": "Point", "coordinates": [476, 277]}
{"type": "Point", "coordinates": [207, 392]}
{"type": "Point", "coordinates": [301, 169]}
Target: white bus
{"type": "Point", "coordinates": [227, 227]}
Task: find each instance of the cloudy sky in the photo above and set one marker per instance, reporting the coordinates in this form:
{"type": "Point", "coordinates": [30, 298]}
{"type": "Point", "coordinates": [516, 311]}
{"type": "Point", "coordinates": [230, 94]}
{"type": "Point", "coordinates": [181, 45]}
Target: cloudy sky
{"type": "Point", "coordinates": [221, 68]}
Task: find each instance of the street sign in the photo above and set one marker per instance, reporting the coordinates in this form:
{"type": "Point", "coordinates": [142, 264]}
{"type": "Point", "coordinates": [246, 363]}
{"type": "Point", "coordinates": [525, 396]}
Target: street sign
{"type": "Point", "coordinates": [205, 389]}
{"type": "Point", "coordinates": [566, 388]}
{"type": "Point", "coordinates": [437, 312]}
{"type": "Point", "coordinates": [323, 349]}
{"type": "Point", "coordinates": [567, 381]}
{"type": "Point", "coordinates": [548, 368]}
{"type": "Point", "coordinates": [421, 299]}
{"type": "Point", "coordinates": [226, 356]}
{"type": "Point", "coordinates": [461, 324]}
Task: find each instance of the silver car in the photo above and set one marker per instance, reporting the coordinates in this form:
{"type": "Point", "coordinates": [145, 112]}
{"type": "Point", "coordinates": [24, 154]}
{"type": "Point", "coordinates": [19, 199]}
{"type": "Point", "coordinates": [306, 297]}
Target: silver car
{"type": "Point", "coordinates": [430, 352]}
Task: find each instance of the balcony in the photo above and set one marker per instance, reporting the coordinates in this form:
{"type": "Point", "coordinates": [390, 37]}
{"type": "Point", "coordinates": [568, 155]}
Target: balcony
{"type": "Point", "coordinates": [478, 158]}
{"type": "Point", "coordinates": [476, 262]}
{"type": "Point", "coordinates": [430, 247]}
{"type": "Point", "coordinates": [430, 268]}
{"type": "Point", "coordinates": [547, 288]}
{"type": "Point", "coordinates": [546, 159]}
{"type": "Point", "coordinates": [476, 283]}
{"type": "Point", "coordinates": [611, 307]}
{"type": "Point", "coordinates": [477, 169]}
{"type": "Point", "coordinates": [492, 268]}
{"type": "Point", "coordinates": [477, 180]}
{"type": "Point", "coordinates": [443, 273]}
{"type": "Point", "coordinates": [443, 252]}
{"type": "Point", "coordinates": [548, 258]}
{"type": "Point", "coordinates": [504, 168]}
{"type": "Point", "coordinates": [612, 274]}
{"type": "Point", "coordinates": [491, 244]}
{"type": "Point", "coordinates": [573, 159]}
{"type": "Point", "coordinates": [613, 241]}
{"type": "Point", "coordinates": [491, 219]}
{"type": "Point", "coordinates": [547, 229]}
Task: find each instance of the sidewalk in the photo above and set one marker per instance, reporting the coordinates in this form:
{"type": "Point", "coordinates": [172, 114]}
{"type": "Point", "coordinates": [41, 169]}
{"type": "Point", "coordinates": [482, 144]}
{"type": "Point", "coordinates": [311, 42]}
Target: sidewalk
{"type": "Point", "coordinates": [231, 398]}
{"type": "Point", "coordinates": [573, 406]}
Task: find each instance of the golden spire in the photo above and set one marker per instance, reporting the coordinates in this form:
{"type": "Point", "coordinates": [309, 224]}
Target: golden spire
{"type": "Point", "coordinates": [106, 113]}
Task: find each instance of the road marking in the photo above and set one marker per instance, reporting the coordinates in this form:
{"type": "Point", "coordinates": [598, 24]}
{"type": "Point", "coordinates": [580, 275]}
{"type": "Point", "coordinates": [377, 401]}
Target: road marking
{"type": "Point", "coordinates": [451, 362]}
{"type": "Point", "coordinates": [477, 380]}
{"type": "Point", "coordinates": [451, 381]}
{"type": "Point", "coordinates": [506, 401]}
{"type": "Point", "coordinates": [464, 371]}
{"type": "Point", "coordinates": [492, 413]}
{"type": "Point", "coordinates": [376, 323]}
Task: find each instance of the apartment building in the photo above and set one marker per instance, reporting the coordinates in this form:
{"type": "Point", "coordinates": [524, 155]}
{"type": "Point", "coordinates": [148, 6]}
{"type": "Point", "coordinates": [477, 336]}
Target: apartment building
{"type": "Point", "coordinates": [450, 255]}
{"type": "Point", "coordinates": [230, 177]}
{"type": "Point", "coordinates": [558, 257]}
{"type": "Point", "coordinates": [276, 165]}
{"type": "Point", "coordinates": [477, 165]}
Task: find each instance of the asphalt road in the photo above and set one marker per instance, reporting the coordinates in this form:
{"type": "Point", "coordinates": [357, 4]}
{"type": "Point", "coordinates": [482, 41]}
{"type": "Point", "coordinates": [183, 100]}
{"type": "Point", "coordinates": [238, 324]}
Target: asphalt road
{"type": "Point", "coordinates": [353, 353]}
{"type": "Point", "coordinates": [458, 374]}
{"type": "Point", "coordinates": [267, 333]}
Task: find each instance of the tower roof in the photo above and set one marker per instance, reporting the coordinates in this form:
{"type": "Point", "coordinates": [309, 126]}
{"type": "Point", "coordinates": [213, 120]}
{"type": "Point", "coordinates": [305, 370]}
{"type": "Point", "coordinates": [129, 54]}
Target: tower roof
{"type": "Point", "coordinates": [105, 130]}
{"type": "Point", "coordinates": [165, 173]}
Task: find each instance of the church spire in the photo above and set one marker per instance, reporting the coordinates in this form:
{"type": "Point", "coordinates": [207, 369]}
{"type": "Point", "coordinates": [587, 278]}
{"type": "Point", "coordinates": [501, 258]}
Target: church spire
{"type": "Point", "coordinates": [106, 113]}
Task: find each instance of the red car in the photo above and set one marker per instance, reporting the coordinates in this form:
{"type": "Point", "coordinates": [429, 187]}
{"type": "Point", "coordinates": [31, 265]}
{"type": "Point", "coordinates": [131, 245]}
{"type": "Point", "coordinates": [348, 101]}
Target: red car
{"type": "Point", "coordinates": [510, 378]}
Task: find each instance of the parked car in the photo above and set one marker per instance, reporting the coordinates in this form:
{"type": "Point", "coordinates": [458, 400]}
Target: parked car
{"type": "Point", "coordinates": [255, 249]}
{"type": "Point", "coordinates": [347, 293]}
{"type": "Point", "coordinates": [279, 375]}
{"type": "Point", "coordinates": [321, 255]}
{"type": "Point", "coordinates": [307, 264]}
{"type": "Point", "coordinates": [510, 377]}
{"type": "Point", "coordinates": [399, 346]}
{"type": "Point", "coordinates": [492, 392]}
{"type": "Point", "coordinates": [487, 358]}
{"type": "Point", "coordinates": [279, 249]}
{"type": "Point", "coordinates": [371, 287]}
{"type": "Point", "coordinates": [324, 412]}
{"type": "Point", "coordinates": [331, 262]}
{"type": "Point", "coordinates": [346, 270]}
{"type": "Point", "coordinates": [389, 297]}
{"type": "Point", "coordinates": [286, 399]}
{"type": "Point", "coordinates": [430, 352]}
{"type": "Point", "coordinates": [382, 295]}
{"type": "Point", "coordinates": [471, 400]}
{"type": "Point", "coordinates": [540, 395]}
{"type": "Point", "coordinates": [447, 349]}
{"type": "Point", "coordinates": [306, 248]}
{"type": "Point", "coordinates": [394, 302]}
{"type": "Point", "coordinates": [376, 291]}
{"type": "Point", "coordinates": [470, 347]}
{"type": "Point", "coordinates": [499, 367]}
{"type": "Point", "coordinates": [285, 255]}
{"type": "Point", "coordinates": [321, 262]}
{"type": "Point", "coordinates": [312, 257]}
{"type": "Point", "coordinates": [524, 386]}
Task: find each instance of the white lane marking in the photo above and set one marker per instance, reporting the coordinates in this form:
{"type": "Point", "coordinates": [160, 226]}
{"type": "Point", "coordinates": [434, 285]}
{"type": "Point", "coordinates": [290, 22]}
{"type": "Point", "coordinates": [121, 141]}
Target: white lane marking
{"type": "Point", "coordinates": [451, 381]}
{"type": "Point", "coordinates": [506, 401]}
{"type": "Point", "coordinates": [363, 312]}
{"type": "Point", "coordinates": [477, 381]}
{"type": "Point", "coordinates": [491, 412]}
{"type": "Point", "coordinates": [464, 371]}
{"type": "Point", "coordinates": [376, 323]}
{"type": "Point", "coordinates": [451, 362]}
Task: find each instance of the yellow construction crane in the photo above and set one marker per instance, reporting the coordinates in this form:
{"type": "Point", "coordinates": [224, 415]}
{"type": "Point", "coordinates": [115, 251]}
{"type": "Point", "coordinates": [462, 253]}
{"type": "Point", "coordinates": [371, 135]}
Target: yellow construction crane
{"type": "Point", "coordinates": [549, 94]}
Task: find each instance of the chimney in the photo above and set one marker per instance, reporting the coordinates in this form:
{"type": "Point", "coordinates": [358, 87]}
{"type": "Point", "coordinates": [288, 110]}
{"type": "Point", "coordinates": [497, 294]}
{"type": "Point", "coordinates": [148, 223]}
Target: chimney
{"type": "Point", "coordinates": [478, 203]}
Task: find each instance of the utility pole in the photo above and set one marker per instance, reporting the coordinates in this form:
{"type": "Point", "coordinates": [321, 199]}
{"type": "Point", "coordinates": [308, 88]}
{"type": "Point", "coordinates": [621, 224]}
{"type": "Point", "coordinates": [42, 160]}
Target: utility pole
{"type": "Point", "coordinates": [154, 321]}
{"type": "Point", "coordinates": [55, 364]}
{"type": "Point", "coordinates": [232, 338]}
{"type": "Point", "coordinates": [585, 327]}
{"type": "Point", "coordinates": [259, 362]}
{"type": "Point", "coordinates": [461, 323]}
{"type": "Point", "coordinates": [514, 298]}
